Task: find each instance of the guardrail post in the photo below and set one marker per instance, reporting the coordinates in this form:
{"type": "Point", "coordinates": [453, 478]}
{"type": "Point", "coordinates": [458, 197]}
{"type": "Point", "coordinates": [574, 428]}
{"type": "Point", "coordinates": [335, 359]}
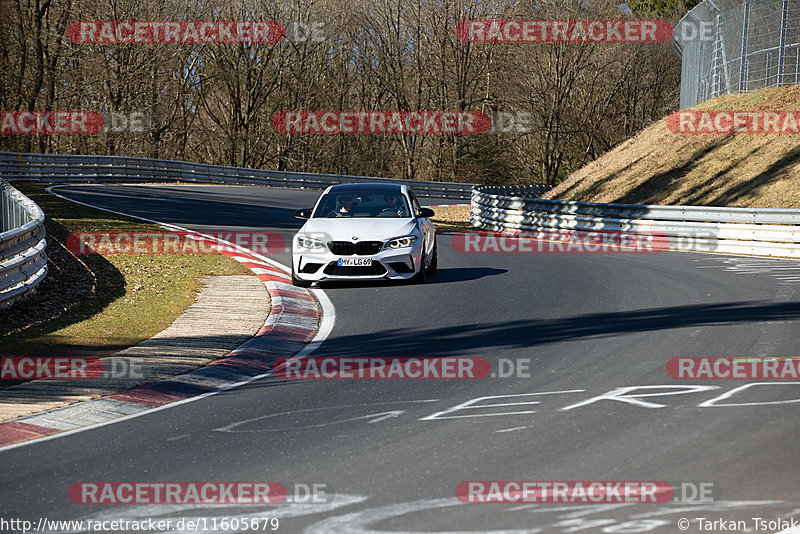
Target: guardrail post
{"type": "Point", "coordinates": [782, 42]}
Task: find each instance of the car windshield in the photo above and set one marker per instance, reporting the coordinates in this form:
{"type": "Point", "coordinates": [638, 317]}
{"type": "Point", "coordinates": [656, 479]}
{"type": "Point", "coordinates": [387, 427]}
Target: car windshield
{"type": "Point", "coordinates": [362, 204]}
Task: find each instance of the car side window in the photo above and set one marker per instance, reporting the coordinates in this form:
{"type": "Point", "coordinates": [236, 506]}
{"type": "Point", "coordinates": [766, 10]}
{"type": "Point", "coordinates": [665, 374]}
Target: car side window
{"type": "Point", "coordinates": [414, 204]}
{"type": "Point", "coordinates": [326, 206]}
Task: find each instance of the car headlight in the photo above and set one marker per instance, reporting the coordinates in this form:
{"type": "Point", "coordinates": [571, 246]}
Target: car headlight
{"type": "Point", "coordinates": [309, 242]}
{"type": "Point", "coordinates": [402, 242]}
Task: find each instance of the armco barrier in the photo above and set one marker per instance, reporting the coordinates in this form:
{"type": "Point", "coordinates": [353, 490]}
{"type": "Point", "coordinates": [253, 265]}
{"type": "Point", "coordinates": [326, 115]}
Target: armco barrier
{"type": "Point", "coordinates": [58, 168]}
{"type": "Point", "coordinates": [757, 231]}
{"type": "Point", "coordinates": [23, 261]}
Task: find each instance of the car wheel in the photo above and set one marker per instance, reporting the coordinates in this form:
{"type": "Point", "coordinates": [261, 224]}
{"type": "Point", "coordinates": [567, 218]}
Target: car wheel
{"type": "Point", "coordinates": [434, 259]}
{"type": "Point", "coordinates": [299, 283]}
{"type": "Point", "coordinates": [419, 278]}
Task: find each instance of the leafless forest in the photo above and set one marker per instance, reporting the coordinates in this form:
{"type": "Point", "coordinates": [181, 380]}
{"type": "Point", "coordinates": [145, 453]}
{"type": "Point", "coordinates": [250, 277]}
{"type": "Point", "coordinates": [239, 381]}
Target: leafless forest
{"type": "Point", "coordinates": [213, 103]}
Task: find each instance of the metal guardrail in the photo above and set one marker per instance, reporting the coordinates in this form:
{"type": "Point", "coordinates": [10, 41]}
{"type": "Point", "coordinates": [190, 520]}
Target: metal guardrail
{"type": "Point", "coordinates": [58, 167]}
{"type": "Point", "coordinates": [23, 261]}
{"type": "Point", "coordinates": [762, 232]}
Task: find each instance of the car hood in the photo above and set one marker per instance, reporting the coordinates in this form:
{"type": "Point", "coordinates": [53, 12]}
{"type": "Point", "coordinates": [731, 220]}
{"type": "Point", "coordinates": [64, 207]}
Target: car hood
{"type": "Point", "coordinates": [344, 229]}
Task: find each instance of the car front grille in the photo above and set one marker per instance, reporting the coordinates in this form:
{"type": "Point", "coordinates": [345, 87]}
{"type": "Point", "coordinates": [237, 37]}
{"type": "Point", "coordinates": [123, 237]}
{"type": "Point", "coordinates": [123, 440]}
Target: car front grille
{"type": "Point", "coordinates": [376, 269]}
{"type": "Point", "coordinates": [363, 248]}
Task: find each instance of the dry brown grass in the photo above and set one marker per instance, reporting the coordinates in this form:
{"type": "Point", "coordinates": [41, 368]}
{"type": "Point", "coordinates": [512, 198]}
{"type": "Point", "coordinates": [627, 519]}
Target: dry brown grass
{"type": "Point", "coordinates": [660, 167]}
{"type": "Point", "coordinates": [452, 218]}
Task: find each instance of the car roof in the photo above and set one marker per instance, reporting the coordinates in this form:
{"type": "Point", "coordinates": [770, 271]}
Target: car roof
{"type": "Point", "coordinates": [382, 187]}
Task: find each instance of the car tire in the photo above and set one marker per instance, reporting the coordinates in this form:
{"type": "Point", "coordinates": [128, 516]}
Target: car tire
{"type": "Point", "coordinates": [434, 259]}
{"type": "Point", "coordinates": [419, 278]}
{"type": "Point", "coordinates": [299, 283]}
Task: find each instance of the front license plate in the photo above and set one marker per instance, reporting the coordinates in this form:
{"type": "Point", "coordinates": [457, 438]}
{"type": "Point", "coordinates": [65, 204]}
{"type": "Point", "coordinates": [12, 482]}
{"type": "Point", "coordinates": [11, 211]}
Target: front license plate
{"type": "Point", "coordinates": [355, 262]}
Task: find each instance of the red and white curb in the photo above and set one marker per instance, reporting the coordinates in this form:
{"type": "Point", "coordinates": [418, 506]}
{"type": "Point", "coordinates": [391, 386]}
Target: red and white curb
{"type": "Point", "coordinates": [299, 320]}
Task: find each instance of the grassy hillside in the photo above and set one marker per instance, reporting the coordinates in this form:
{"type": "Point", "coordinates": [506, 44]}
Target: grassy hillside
{"type": "Point", "coordinates": [658, 166]}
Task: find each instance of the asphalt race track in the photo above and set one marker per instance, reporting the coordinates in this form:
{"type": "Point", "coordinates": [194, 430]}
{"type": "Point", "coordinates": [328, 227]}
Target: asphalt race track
{"type": "Point", "coordinates": [390, 453]}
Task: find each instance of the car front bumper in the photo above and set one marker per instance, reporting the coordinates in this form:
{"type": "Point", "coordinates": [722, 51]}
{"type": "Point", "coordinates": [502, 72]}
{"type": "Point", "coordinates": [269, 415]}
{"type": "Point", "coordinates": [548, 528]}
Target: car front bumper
{"type": "Point", "coordinates": [394, 264]}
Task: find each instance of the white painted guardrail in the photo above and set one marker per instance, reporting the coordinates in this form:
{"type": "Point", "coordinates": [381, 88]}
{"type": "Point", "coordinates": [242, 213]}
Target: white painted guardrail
{"type": "Point", "coordinates": [757, 231]}
{"type": "Point", "coordinates": [23, 261]}
{"type": "Point", "coordinates": [62, 167]}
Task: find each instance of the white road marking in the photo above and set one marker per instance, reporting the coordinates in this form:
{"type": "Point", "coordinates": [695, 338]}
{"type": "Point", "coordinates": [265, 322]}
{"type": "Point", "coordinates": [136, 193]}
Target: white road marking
{"type": "Point", "coordinates": [626, 395]}
{"type": "Point", "coordinates": [569, 518]}
{"type": "Point", "coordinates": [784, 269]}
{"type": "Point", "coordinates": [326, 325]}
{"type": "Point", "coordinates": [360, 522]}
{"type": "Point", "coordinates": [388, 415]}
{"type": "Point", "coordinates": [381, 416]}
{"type": "Point", "coordinates": [284, 510]}
{"type": "Point", "coordinates": [511, 429]}
{"type": "Point", "coordinates": [729, 394]}
{"type": "Point", "coordinates": [471, 405]}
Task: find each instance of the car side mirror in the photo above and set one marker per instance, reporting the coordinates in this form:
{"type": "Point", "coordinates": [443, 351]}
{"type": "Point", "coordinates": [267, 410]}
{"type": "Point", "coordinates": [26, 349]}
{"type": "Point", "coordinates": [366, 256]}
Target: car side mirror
{"type": "Point", "coordinates": [303, 214]}
{"type": "Point", "coordinates": [426, 213]}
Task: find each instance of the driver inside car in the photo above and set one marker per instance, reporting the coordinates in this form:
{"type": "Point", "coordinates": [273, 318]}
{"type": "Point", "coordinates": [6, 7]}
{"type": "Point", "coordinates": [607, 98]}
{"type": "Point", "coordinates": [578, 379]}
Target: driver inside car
{"type": "Point", "coordinates": [347, 204]}
{"type": "Point", "coordinates": [394, 205]}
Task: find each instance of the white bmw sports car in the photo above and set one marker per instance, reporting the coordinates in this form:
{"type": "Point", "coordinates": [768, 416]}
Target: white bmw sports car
{"type": "Point", "coordinates": [364, 231]}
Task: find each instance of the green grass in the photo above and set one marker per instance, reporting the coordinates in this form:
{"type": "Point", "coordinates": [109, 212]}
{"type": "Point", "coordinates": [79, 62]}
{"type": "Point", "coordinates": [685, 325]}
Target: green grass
{"type": "Point", "coordinates": [112, 302]}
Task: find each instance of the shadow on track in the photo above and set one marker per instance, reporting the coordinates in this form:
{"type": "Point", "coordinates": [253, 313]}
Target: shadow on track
{"type": "Point", "coordinates": [442, 276]}
{"type": "Point", "coordinates": [454, 340]}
